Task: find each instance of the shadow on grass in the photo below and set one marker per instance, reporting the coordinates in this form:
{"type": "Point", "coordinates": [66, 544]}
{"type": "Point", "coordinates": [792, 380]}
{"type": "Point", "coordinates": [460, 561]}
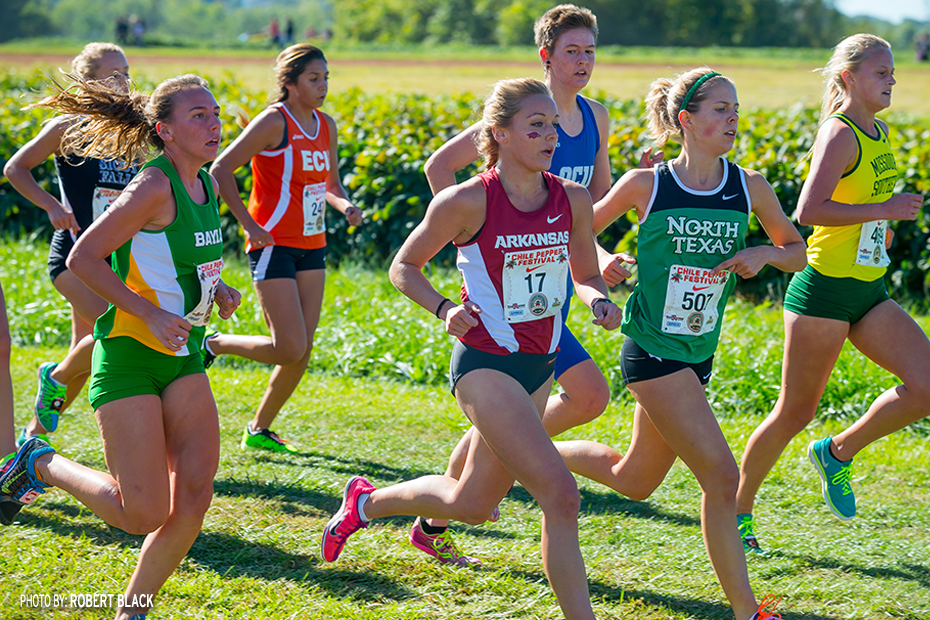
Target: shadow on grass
{"type": "Point", "coordinates": [692, 607]}
{"type": "Point", "coordinates": [904, 571]}
{"type": "Point", "coordinates": [296, 500]}
{"type": "Point", "coordinates": [593, 503]}
{"type": "Point", "coordinates": [228, 555]}
{"type": "Point", "coordinates": [378, 472]}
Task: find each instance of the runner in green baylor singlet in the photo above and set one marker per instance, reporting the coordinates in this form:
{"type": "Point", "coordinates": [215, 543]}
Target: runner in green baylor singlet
{"type": "Point", "coordinates": [153, 403]}
{"type": "Point", "coordinates": [693, 216]}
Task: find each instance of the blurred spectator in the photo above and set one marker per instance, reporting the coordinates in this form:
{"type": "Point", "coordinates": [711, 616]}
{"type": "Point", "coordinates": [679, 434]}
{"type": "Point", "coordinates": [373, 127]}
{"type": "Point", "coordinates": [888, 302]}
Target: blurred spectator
{"type": "Point", "coordinates": [921, 46]}
{"type": "Point", "coordinates": [274, 32]}
{"type": "Point", "coordinates": [122, 30]}
{"type": "Point", "coordinates": [289, 32]}
{"type": "Point", "coordinates": [137, 24]}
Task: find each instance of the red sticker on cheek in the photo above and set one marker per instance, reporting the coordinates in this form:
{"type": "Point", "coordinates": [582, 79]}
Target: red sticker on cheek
{"type": "Point", "coordinates": [532, 135]}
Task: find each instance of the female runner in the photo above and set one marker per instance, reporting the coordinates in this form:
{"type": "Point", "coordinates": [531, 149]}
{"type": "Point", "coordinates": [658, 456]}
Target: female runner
{"type": "Point", "coordinates": [293, 150]}
{"type": "Point", "coordinates": [517, 228]}
{"type": "Point", "coordinates": [566, 36]}
{"type": "Point", "coordinates": [88, 187]}
{"type": "Point", "coordinates": [848, 197]}
{"type": "Point", "coordinates": [152, 398]}
{"type": "Point", "coordinates": [693, 218]}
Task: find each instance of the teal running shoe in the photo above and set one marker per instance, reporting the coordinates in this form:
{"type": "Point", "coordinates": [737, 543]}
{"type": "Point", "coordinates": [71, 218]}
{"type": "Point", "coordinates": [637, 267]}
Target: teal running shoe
{"type": "Point", "coordinates": [23, 437]}
{"type": "Point", "coordinates": [835, 476]}
{"type": "Point", "coordinates": [745, 523]}
{"type": "Point", "coordinates": [50, 398]}
{"type": "Point", "coordinates": [19, 481]}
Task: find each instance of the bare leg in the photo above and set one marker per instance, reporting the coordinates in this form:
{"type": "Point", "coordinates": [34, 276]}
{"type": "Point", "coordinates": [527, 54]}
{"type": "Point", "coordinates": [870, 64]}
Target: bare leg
{"type": "Point", "coordinates": [162, 454]}
{"type": "Point", "coordinates": [292, 313]}
{"type": "Point", "coordinates": [7, 432]}
{"type": "Point", "coordinates": [889, 336]}
{"type": "Point", "coordinates": [585, 397]}
{"type": "Point", "coordinates": [812, 346]}
{"type": "Point", "coordinates": [497, 405]}
{"type": "Point", "coordinates": [86, 307]}
{"type": "Point", "coordinates": [192, 442]}
{"type": "Point", "coordinates": [72, 371]}
{"type": "Point", "coordinates": [636, 474]}
{"type": "Point", "coordinates": [678, 408]}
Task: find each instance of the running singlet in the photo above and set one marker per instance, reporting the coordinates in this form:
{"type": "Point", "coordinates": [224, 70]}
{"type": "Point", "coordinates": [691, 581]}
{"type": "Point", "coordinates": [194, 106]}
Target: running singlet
{"type": "Point", "coordinates": [858, 251]}
{"type": "Point", "coordinates": [288, 196]}
{"type": "Point", "coordinates": [176, 268]}
{"type": "Point", "coordinates": [88, 186]}
{"type": "Point", "coordinates": [516, 269]}
{"type": "Point", "coordinates": [676, 308]}
{"type": "Point", "coordinates": [573, 158]}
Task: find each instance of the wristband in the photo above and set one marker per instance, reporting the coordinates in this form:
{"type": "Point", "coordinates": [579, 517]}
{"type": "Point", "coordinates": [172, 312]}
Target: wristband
{"type": "Point", "coordinates": [599, 300]}
{"type": "Point", "coordinates": [441, 304]}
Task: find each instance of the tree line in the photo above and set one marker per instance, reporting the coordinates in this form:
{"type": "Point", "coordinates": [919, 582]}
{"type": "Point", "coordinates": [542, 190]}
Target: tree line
{"type": "Point", "coordinates": [224, 23]}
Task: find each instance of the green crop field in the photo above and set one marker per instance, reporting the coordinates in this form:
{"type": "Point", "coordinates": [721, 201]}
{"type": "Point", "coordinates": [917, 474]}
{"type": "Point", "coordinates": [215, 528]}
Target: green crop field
{"type": "Point", "coordinates": [765, 78]}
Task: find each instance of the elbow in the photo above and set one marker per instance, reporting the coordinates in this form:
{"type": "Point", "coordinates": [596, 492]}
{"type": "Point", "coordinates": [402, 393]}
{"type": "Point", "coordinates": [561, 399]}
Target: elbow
{"type": "Point", "coordinates": [395, 274]}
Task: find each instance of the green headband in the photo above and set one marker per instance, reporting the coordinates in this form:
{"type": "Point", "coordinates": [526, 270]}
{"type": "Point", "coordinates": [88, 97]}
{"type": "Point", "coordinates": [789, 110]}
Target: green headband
{"type": "Point", "coordinates": [694, 88]}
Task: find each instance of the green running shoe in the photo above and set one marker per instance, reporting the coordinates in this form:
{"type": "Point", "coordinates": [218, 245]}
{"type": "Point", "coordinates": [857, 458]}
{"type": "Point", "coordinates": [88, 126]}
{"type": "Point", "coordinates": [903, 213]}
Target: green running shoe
{"type": "Point", "coordinates": [23, 437]}
{"type": "Point", "coordinates": [265, 439]}
{"type": "Point", "coordinates": [49, 398]}
{"type": "Point", "coordinates": [208, 356]}
{"type": "Point", "coordinates": [835, 476]}
{"type": "Point", "coordinates": [745, 523]}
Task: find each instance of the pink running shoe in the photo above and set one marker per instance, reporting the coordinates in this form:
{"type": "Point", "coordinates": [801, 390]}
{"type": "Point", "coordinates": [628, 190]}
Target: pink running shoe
{"type": "Point", "coordinates": [440, 546]}
{"type": "Point", "coordinates": [347, 521]}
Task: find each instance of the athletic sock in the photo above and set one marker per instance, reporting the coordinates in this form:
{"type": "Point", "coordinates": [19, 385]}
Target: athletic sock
{"type": "Point", "coordinates": [361, 507]}
{"type": "Point", "coordinates": [431, 530]}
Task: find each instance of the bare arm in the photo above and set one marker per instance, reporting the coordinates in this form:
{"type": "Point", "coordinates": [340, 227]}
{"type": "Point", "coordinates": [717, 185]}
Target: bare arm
{"type": "Point", "coordinates": [335, 193]}
{"type": "Point", "coordinates": [455, 214]}
{"type": "Point", "coordinates": [589, 285]}
{"type": "Point", "coordinates": [146, 203]}
{"type": "Point", "coordinates": [600, 179]}
{"type": "Point", "coordinates": [836, 151]}
{"type": "Point", "coordinates": [19, 171]}
{"type": "Point", "coordinates": [788, 251]}
{"type": "Point", "coordinates": [265, 132]}
{"type": "Point", "coordinates": [451, 157]}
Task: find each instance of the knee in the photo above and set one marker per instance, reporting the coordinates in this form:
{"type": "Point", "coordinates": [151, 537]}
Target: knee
{"type": "Point", "coordinates": [920, 390]}
{"type": "Point", "coordinates": [793, 418]}
{"type": "Point", "coordinates": [144, 516]}
{"type": "Point", "coordinates": [289, 351]}
{"type": "Point", "coordinates": [562, 501]}
{"type": "Point", "coordinates": [6, 344]}
{"type": "Point", "coordinates": [641, 489]}
{"type": "Point", "coordinates": [474, 511]}
{"type": "Point", "coordinates": [594, 400]}
{"type": "Point", "coordinates": [723, 481]}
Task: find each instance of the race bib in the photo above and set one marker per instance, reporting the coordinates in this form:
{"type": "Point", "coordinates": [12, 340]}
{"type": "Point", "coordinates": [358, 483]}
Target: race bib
{"type": "Point", "coordinates": [534, 283]}
{"type": "Point", "coordinates": [691, 300]}
{"type": "Point", "coordinates": [103, 198]}
{"type": "Point", "coordinates": [871, 250]}
{"type": "Point", "coordinates": [209, 276]}
{"type": "Point", "coordinates": [314, 209]}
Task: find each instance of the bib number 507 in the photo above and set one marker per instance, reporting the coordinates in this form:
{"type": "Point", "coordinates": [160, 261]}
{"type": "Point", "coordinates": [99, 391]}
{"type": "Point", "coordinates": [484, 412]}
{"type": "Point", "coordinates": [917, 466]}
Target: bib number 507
{"type": "Point", "coordinates": [695, 301]}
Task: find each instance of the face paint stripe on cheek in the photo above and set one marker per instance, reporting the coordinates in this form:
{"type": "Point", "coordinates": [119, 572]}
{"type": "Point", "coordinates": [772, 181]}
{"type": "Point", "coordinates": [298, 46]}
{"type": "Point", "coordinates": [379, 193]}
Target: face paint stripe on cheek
{"type": "Point", "coordinates": [532, 135]}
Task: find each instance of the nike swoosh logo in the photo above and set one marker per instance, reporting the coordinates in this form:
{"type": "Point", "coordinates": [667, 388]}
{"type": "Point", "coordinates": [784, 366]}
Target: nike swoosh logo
{"type": "Point", "coordinates": [529, 269]}
{"type": "Point", "coordinates": [552, 220]}
{"type": "Point", "coordinates": [707, 376]}
{"type": "Point", "coordinates": [699, 288]}
{"type": "Point", "coordinates": [725, 197]}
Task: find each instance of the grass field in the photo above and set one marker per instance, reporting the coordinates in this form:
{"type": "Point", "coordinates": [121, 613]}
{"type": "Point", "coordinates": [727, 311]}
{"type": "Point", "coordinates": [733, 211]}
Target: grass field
{"type": "Point", "coordinates": [765, 78]}
{"type": "Point", "coordinates": [375, 404]}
